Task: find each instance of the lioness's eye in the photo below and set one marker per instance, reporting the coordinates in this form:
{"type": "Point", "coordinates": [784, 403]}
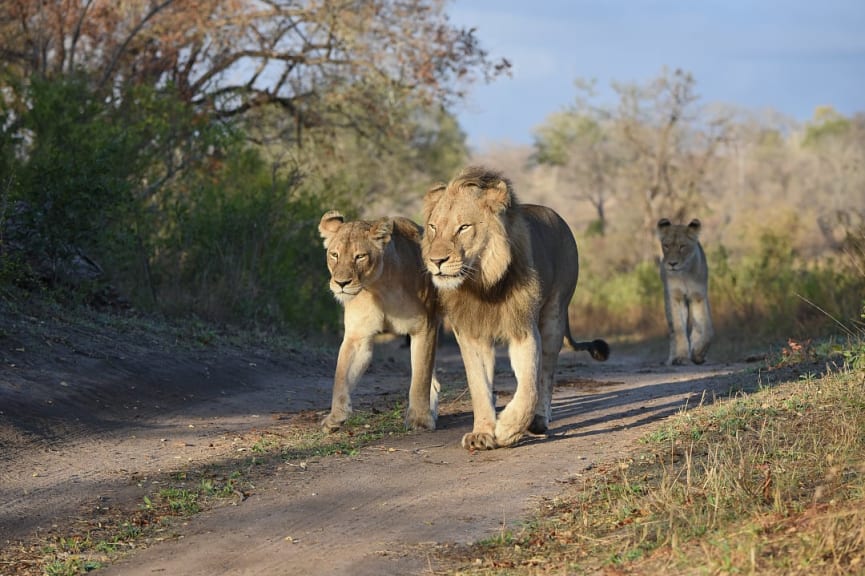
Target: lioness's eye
{"type": "Point", "coordinates": [360, 257]}
{"type": "Point", "coordinates": [334, 255]}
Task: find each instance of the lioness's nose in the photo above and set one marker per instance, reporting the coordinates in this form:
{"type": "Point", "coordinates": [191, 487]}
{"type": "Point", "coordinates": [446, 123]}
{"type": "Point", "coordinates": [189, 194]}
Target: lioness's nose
{"type": "Point", "coordinates": [341, 283]}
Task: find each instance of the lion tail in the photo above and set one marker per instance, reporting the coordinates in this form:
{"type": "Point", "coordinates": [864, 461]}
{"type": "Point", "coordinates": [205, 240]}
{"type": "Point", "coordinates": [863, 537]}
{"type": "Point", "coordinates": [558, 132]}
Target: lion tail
{"type": "Point", "coordinates": [599, 349]}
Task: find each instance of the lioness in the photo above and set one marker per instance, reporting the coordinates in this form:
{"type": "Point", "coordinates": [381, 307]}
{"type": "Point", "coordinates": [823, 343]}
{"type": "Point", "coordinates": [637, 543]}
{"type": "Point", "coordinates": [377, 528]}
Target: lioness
{"type": "Point", "coordinates": [685, 276]}
{"type": "Point", "coordinates": [377, 274]}
{"type": "Point", "coordinates": [504, 271]}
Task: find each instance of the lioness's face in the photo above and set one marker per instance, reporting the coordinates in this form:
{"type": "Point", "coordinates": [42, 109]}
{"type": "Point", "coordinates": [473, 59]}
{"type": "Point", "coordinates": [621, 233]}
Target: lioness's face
{"type": "Point", "coordinates": [678, 243]}
{"type": "Point", "coordinates": [354, 253]}
{"type": "Point", "coordinates": [455, 235]}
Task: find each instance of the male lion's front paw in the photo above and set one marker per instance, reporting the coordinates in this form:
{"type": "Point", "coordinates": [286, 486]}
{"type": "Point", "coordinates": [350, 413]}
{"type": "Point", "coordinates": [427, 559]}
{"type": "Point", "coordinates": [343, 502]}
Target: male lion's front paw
{"type": "Point", "coordinates": [677, 361]}
{"type": "Point", "coordinates": [479, 441]}
{"type": "Point", "coordinates": [331, 423]}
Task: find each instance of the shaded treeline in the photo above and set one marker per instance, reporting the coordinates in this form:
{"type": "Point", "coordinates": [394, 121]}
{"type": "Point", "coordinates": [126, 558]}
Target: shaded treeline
{"type": "Point", "coordinates": [182, 151]}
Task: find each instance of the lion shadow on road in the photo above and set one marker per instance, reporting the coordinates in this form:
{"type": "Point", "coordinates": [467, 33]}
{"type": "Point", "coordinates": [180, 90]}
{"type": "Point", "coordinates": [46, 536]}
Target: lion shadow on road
{"type": "Point", "coordinates": [620, 406]}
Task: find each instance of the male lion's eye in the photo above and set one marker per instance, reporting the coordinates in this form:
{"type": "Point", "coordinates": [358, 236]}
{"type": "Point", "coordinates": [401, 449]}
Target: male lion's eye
{"type": "Point", "coordinates": [464, 227]}
{"type": "Point", "coordinates": [360, 257]}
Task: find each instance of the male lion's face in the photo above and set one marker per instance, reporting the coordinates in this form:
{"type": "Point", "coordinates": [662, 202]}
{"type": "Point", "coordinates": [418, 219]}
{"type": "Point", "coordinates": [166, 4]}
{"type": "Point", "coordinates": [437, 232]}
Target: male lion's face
{"type": "Point", "coordinates": [460, 221]}
{"type": "Point", "coordinates": [355, 252]}
{"type": "Point", "coordinates": [678, 243]}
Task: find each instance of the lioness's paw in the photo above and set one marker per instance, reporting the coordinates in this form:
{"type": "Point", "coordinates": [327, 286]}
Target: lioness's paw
{"type": "Point", "coordinates": [677, 361]}
{"type": "Point", "coordinates": [479, 441]}
{"type": "Point", "coordinates": [699, 356]}
{"type": "Point", "coordinates": [420, 421]}
{"type": "Point", "coordinates": [331, 423]}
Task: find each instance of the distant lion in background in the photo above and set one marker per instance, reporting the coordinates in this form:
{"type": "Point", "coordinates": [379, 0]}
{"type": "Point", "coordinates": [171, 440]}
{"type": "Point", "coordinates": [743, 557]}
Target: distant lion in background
{"type": "Point", "coordinates": [377, 274]}
{"type": "Point", "coordinates": [685, 275]}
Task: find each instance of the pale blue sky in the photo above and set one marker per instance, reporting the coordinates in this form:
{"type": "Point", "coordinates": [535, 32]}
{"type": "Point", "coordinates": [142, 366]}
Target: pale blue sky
{"type": "Point", "coordinates": [788, 55]}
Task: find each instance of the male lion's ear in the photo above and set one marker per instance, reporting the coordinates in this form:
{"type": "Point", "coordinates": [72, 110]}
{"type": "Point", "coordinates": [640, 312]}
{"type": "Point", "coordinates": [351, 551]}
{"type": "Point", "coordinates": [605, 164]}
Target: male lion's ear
{"type": "Point", "coordinates": [432, 198]}
{"type": "Point", "coordinates": [664, 223]}
{"type": "Point", "coordinates": [381, 231]}
{"type": "Point", "coordinates": [499, 197]}
{"type": "Point", "coordinates": [330, 223]}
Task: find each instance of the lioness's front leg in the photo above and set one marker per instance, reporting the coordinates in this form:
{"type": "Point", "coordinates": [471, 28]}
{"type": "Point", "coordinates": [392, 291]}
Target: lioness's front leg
{"type": "Point", "coordinates": [422, 411]}
{"type": "Point", "coordinates": [677, 319]}
{"type": "Point", "coordinates": [525, 357]}
{"type": "Point", "coordinates": [701, 327]}
{"type": "Point", "coordinates": [355, 354]}
{"type": "Point", "coordinates": [479, 361]}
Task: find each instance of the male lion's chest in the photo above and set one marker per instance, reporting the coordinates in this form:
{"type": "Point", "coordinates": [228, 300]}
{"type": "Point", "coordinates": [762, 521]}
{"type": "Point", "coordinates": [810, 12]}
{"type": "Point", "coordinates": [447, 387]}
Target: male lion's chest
{"type": "Point", "coordinates": [500, 318]}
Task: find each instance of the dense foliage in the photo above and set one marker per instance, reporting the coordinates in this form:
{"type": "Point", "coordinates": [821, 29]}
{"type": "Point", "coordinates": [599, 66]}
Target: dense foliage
{"type": "Point", "coordinates": [176, 156]}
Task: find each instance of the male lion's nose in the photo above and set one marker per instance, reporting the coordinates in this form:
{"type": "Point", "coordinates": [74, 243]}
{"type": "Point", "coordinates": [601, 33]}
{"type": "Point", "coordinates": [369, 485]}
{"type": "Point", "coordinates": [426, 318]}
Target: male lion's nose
{"type": "Point", "coordinates": [439, 261]}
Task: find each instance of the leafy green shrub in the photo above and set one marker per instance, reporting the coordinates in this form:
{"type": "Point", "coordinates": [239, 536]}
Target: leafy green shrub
{"type": "Point", "coordinates": [244, 247]}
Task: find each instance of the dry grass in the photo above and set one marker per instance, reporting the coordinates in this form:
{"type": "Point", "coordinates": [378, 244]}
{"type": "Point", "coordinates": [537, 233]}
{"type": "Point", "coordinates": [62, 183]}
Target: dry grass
{"type": "Point", "coordinates": [767, 483]}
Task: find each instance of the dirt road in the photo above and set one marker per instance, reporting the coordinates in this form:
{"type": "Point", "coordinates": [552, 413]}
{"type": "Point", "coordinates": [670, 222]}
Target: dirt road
{"type": "Point", "coordinates": [82, 434]}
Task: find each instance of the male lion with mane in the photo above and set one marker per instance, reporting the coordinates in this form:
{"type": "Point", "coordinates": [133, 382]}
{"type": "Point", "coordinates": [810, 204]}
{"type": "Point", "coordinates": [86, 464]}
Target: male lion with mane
{"type": "Point", "coordinates": [377, 274]}
{"type": "Point", "coordinates": [505, 272]}
{"type": "Point", "coordinates": [685, 276]}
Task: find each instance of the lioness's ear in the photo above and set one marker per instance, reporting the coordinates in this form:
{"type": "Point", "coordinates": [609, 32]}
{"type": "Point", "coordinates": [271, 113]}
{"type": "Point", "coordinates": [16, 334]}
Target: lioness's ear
{"type": "Point", "coordinates": [694, 227]}
{"type": "Point", "coordinates": [499, 197]}
{"type": "Point", "coordinates": [330, 223]}
{"type": "Point", "coordinates": [381, 231]}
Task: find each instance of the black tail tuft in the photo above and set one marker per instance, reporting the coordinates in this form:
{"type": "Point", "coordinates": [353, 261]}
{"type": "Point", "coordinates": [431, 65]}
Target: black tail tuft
{"type": "Point", "coordinates": [599, 349]}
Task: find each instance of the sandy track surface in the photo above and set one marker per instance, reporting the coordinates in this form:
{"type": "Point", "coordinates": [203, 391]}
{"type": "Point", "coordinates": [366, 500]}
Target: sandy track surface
{"type": "Point", "coordinates": [81, 434]}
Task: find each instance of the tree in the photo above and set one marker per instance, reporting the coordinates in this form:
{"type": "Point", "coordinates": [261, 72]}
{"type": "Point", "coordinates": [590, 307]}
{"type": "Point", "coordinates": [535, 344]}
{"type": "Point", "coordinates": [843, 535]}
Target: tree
{"type": "Point", "coordinates": [671, 143]}
{"type": "Point", "coordinates": [350, 64]}
{"type": "Point", "coordinates": [579, 145]}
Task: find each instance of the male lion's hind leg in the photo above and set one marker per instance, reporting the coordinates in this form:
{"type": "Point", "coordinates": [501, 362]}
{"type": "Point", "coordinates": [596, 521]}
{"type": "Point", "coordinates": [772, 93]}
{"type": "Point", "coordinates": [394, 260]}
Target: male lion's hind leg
{"type": "Point", "coordinates": [552, 345]}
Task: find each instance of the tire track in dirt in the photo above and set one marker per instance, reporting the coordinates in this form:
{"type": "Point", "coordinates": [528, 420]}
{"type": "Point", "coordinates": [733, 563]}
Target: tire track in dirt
{"type": "Point", "coordinates": [387, 510]}
{"type": "Point", "coordinates": [384, 511]}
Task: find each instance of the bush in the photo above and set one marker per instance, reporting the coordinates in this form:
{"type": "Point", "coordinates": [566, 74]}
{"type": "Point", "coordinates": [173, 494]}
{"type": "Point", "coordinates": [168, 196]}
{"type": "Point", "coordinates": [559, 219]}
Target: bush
{"type": "Point", "coordinates": [243, 246]}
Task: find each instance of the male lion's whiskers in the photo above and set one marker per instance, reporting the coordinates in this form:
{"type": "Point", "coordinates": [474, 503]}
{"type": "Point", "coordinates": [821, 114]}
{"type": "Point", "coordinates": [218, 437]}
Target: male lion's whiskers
{"type": "Point", "coordinates": [468, 272]}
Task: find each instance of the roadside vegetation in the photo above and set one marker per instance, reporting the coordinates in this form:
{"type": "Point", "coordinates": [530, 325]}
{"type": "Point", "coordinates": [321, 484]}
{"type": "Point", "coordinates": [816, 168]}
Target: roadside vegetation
{"type": "Point", "coordinates": [165, 165]}
{"type": "Point", "coordinates": [770, 481]}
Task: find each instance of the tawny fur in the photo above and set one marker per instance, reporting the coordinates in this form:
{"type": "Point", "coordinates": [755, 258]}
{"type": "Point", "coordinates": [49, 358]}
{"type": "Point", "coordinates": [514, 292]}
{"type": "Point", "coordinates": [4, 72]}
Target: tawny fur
{"type": "Point", "coordinates": [685, 276]}
{"type": "Point", "coordinates": [504, 272]}
{"type": "Point", "coordinates": [377, 274]}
